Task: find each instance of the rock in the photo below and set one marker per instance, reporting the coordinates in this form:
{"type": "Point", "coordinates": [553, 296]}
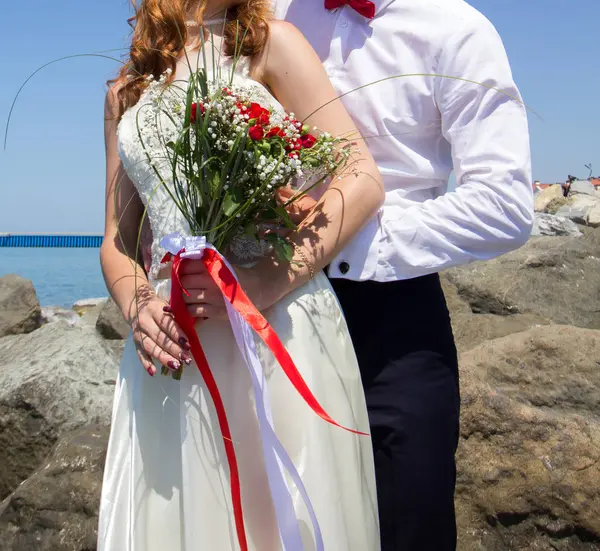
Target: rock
{"type": "Point", "coordinates": [84, 305]}
{"type": "Point", "coordinates": [20, 310]}
{"type": "Point", "coordinates": [53, 380]}
{"type": "Point", "coordinates": [554, 278]}
{"type": "Point", "coordinates": [555, 204]}
{"type": "Point", "coordinates": [471, 329]}
{"type": "Point", "coordinates": [584, 187]}
{"type": "Point", "coordinates": [111, 324]}
{"type": "Point", "coordinates": [550, 225]}
{"type": "Point", "coordinates": [529, 455]}
{"type": "Point", "coordinates": [56, 509]}
{"type": "Point", "coordinates": [90, 317]}
{"type": "Point", "coordinates": [594, 216]}
{"type": "Point", "coordinates": [51, 314]}
{"type": "Point", "coordinates": [546, 196]}
{"type": "Point", "coordinates": [578, 208]}
{"type": "Point", "coordinates": [556, 367]}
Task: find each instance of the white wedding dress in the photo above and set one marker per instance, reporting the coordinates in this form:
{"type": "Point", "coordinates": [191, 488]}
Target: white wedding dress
{"type": "Point", "coordinates": [166, 481]}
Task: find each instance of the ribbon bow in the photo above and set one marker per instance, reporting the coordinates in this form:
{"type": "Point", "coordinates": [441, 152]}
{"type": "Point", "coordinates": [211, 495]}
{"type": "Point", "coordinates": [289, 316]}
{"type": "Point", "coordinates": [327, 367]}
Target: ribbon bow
{"type": "Point", "coordinates": [366, 8]}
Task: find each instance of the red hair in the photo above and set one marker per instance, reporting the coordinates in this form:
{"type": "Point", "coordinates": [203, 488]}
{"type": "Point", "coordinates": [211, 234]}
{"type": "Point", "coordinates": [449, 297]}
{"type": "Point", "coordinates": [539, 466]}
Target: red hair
{"type": "Point", "coordinates": [160, 34]}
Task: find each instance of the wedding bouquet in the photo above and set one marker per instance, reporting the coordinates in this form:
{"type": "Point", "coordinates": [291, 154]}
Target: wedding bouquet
{"type": "Point", "coordinates": [222, 157]}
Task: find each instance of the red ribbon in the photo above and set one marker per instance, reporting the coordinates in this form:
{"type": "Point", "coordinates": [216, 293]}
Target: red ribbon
{"type": "Point", "coordinates": [233, 292]}
{"type": "Point", "coordinates": [187, 324]}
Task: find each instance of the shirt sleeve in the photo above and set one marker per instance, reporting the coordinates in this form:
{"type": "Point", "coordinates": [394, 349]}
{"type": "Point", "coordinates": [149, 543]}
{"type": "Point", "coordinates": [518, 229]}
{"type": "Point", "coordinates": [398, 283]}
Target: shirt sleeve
{"type": "Point", "coordinates": [485, 122]}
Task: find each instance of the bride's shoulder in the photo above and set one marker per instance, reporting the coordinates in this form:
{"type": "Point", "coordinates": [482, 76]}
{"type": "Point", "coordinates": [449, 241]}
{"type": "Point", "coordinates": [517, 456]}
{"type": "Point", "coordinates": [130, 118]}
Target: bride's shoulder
{"type": "Point", "coordinates": [286, 45]}
{"type": "Point", "coordinates": [281, 33]}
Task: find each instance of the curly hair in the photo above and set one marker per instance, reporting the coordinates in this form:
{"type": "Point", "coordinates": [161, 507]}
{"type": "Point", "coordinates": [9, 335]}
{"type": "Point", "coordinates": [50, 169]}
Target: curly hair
{"type": "Point", "coordinates": [160, 34]}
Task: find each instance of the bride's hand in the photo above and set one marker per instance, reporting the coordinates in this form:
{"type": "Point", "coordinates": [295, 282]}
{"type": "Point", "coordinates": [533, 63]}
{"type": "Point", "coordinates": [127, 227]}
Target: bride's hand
{"type": "Point", "coordinates": [156, 334]}
{"type": "Point", "coordinates": [299, 209]}
{"type": "Point", "coordinates": [205, 299]}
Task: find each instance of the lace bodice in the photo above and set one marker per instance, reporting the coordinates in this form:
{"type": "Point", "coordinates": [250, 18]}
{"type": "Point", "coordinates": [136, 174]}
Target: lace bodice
{"type": "Point", "coordinates": [144, 121]}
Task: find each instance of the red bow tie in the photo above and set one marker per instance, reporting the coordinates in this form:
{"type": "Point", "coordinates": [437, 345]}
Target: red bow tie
{"type": "Point", "coordinates": [365, 7]}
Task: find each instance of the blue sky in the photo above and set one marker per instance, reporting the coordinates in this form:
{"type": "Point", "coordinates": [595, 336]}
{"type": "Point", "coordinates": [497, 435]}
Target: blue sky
{"type": "Point", "coordinates": [52, 173]}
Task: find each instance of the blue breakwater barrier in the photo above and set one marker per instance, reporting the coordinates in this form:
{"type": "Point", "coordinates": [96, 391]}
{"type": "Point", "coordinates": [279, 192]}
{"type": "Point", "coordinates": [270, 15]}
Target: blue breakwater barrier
{"type": "Point", "coordinates": [89, 241]}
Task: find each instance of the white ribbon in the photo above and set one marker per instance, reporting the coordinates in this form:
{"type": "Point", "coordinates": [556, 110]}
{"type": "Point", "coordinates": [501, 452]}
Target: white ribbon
{"type": "Point", "coordinates": [277, 460]}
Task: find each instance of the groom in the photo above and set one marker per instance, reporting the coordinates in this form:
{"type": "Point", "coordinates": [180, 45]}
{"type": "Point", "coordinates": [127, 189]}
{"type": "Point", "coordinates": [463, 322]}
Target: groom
{"type": "Point", "coordinates": [419, 128]}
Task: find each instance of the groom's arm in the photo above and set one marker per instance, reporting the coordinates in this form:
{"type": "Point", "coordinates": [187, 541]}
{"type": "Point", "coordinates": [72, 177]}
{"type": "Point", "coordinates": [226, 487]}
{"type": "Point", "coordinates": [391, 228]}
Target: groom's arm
{"type": "Point", "coordinates": [491, 211]}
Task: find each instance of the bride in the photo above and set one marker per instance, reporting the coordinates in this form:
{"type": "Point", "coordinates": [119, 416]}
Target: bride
{"type": "Point", "coordinates": [166, 481]}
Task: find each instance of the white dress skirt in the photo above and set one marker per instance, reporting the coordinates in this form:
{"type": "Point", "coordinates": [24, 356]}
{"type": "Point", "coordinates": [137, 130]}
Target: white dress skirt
{"type": "Point", "coordinates": [166, 483]}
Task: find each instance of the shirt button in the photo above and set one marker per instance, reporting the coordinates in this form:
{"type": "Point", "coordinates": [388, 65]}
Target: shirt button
{"type": "Point", "coordinates": [344, 267]}
{"type": "Point", "coordinates": [344, 23]}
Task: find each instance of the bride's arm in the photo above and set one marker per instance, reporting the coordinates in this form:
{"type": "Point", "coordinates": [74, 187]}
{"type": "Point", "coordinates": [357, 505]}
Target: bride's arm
{"type": "Point", "coordinates": [294, 73]}
{"type": "Point", "coordinates": [154, 331]}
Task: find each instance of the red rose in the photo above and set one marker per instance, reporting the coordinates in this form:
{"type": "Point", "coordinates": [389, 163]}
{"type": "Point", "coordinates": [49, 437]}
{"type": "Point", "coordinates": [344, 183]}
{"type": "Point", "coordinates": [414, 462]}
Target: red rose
{"type": "Point", "coordinates": [307, 141]}
{"type": "Point", "coordinates": [227, 91]}
{"type": "Point", "coordinates": [265, 118]}
{"type": "Point", "coordinates": [194, 111]}
{"type": "Point", "coordinates": [256, 132]}
{"type": "Point", "coordinates": [275, 131]}
{"type": "Point", "coordinates": [254, 110]}
{"type": "Point", "coordinates": [259, 113]}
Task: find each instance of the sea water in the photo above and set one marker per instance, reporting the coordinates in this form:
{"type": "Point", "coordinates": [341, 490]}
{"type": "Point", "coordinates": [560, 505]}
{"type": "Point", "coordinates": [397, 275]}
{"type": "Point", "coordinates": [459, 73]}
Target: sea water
{"type": "Point", "coordinates": [60, 276]}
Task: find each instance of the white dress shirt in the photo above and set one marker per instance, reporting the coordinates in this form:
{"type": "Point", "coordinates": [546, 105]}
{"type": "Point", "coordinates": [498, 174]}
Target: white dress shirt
{"type": "Point", "coordinates": [420, 128]}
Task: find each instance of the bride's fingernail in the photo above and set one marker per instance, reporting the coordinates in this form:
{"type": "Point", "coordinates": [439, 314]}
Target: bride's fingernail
{"type": "Point", "coordinates": [173, 364]}
{"type": "Point", "coordinates": [186, 358]}
{"type": "Point", "coordinates": [183, 342]}
{"type": "Point", "coordinates": [167, 309]}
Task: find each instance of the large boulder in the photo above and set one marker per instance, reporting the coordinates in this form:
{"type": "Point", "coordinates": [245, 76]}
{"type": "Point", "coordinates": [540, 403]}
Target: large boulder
{"type": "Point", "coordinates": [53, 380]}
{"type": "Point", "coordinates": [56, 509]}
{"type": "Point", "coordinates": [578, 209]}
{"type": "Point", "coordinates": [552, 225]}
{"type": "Point", "coordinates": [528, 459]}
{"type": "Point", "coordinates": [584, 187]}
{"type": "Point", "coordinates": [554, 278]}
{"type": "Point", "coordinates": [544, 197]}
{"type": "Point", "coordinates": [20, 310]}
{"type": "Point", "coordinates": [111, 324]}
{"type": "Point", "coordinates": [555, 367]}
{"type": "Point", "coordinates": [593, 219]}
{"type": "Point", "coordinates": [471, 329]}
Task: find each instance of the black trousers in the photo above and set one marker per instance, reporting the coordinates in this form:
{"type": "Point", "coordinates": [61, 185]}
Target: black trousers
{"type": "Point", "coordinates": [403, 339]}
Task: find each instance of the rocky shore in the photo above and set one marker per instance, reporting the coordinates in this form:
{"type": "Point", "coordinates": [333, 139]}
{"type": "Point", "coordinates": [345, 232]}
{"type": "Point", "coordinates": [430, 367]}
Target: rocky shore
{"type": "Point", "coordinates": [528, 331]}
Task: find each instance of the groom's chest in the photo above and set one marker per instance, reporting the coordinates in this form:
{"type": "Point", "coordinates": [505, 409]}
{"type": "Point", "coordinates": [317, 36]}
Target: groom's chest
{"type": "Point", "coordinates": [382, 67]}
